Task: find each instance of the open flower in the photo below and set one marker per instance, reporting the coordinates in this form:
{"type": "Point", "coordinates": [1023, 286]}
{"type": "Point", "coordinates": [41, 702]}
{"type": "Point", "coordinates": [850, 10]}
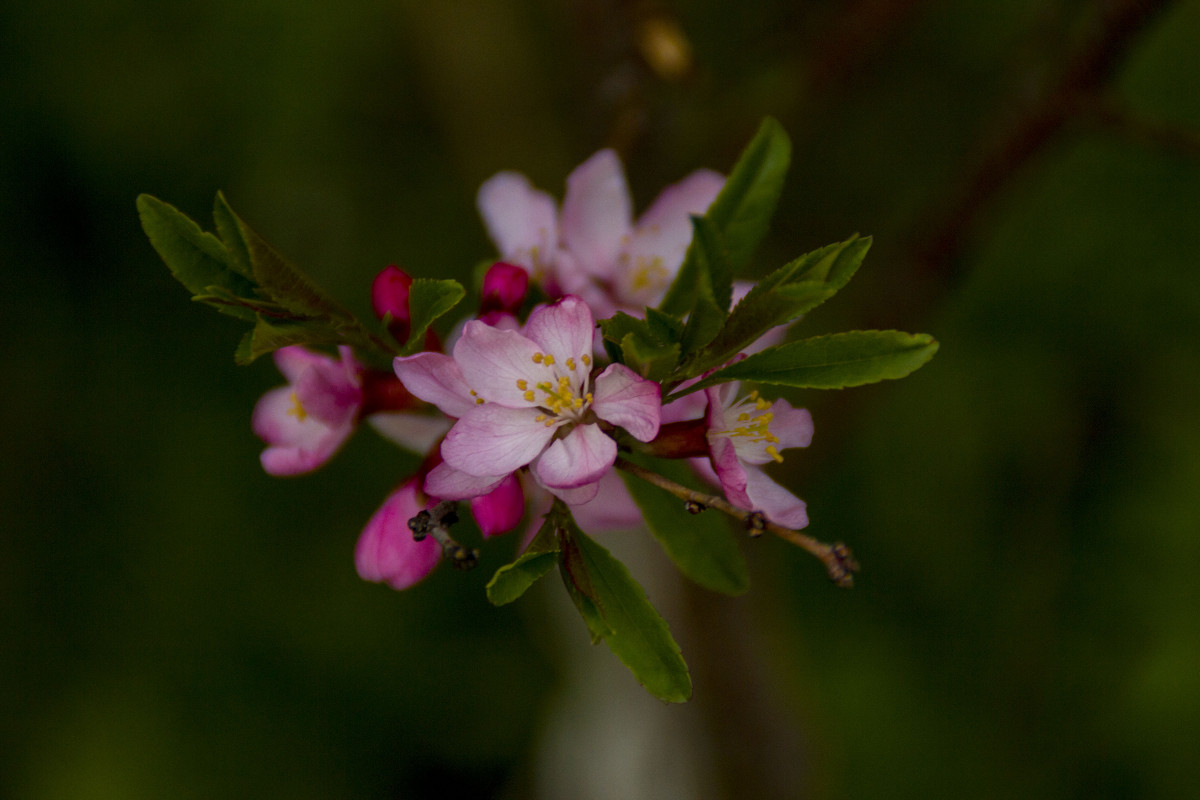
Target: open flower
{"type": "Point", "coordinates": [533, 401]}
{"type": "Point", "coordinates": [592, 248]}
{"type": "Point", "coordinates": [305, 422]}
{"type": "Point", "coordinates": [744, 434]}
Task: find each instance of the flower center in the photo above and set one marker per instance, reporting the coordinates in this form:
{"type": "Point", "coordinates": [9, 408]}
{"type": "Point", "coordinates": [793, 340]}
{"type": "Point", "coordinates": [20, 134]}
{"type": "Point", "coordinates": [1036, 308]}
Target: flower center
{"type": "Point", "coordinates": [564, 395]}
{"type": "Point", "coordinates": [755, 428]}
{"type": "Point", "coordinates": [297, 409]}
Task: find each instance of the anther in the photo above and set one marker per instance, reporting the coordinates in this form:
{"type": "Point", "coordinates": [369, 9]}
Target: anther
{"type": "Point", "coordinates": [756, 523]}
{"type": "Point", "coordinates": [694, 507]}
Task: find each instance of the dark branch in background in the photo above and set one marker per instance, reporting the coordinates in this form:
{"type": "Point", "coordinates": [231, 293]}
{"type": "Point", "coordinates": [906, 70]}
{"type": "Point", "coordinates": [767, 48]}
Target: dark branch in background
{"type": "Point", "coordinates": [1110, 114]}
{"type": "Point", "coordinates": [1086, 74]}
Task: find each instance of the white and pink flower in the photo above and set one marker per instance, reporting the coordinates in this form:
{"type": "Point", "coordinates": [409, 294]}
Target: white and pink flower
{"type": "Point", "coordinates": [592, 247]}
{"type": "Point", "coordinates": [305, 422]}
{"type": "Point", "coordinates": [529, 398]}
{"type": "Point", "coordinates": [744, 434]}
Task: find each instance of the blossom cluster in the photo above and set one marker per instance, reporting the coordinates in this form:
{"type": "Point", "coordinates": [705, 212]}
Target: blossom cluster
{"type": "Point", "coordinates": [523, 404]}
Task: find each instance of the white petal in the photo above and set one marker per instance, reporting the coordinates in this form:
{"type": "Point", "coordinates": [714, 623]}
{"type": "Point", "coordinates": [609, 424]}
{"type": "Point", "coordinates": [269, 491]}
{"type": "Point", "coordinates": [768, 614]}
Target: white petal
{"type": "Point", "coordinates": [597, 213]}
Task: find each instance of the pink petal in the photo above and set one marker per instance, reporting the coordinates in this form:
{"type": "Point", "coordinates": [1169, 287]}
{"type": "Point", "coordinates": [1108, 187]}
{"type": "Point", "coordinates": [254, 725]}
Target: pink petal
{"type": "Point", "coordinates": [497, 363]}
{"type": "Point", "coordinates": [494, 440]}
{"type": "Point", "coordinates": [576, 496]}
{"type": "Point", "coordinates": [563, 329]}
{"type": "Point", "coordinates": [775, 502]}
{"type": "Point", "coordinates": [389, 293]}
{"type": "Point", "coordinates": [501, 509]}
{"type": "Point", "coordinates": [504, 287]}
{"type": "Point", "coordinates": [730, 470]}
{"type": "Point", "coordinates": [628, 400]}
{"type": "Point", "coordinates": [520, 219]}
{"type": "Point", "coordinates": [581, 457]}
{"type": "Point", "coordinates": [437, 379]}
{"type": "Point", "coordinates": [447, 483]}
{"type": "Point", "coordinates": [295, 359]}
{"type": "Point", "coordinates": [793, 426]}
{"type": "Point", "coordinates": [296, 445]}
{"type": "Point", "coordinates": [324, 392]}
{"type": "Point", "coordinates": [597, 213]}
{"type": "Point", "coordinates": [612, 509]}
{"type": "Point", "coordinates": [386, 552]}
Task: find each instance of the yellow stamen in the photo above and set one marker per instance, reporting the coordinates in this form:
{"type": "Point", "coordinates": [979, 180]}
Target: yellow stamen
{"type": "Point", "coordinates": [537, 358]}
{"type": "Point", "coordinates": [297, 410]}
{"type": "Point", "coordinates": [522, 384]}
{"type": "Point", "coordinates": [773, 453]}
{"type": "Point", "coordinates": [528, 396]}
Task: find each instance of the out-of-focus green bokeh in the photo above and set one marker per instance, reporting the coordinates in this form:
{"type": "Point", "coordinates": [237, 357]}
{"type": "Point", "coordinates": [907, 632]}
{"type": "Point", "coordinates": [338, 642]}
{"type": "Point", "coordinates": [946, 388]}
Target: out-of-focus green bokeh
{"type": "Point", "coordinates": [174, 623]}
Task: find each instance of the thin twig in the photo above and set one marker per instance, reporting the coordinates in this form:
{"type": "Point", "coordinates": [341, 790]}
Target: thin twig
{"type": "Point", "coordinates": [838, 560]}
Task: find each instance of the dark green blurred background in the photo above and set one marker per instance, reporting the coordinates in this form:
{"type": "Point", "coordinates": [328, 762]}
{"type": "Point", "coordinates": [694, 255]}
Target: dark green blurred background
{"type": "Point", "coordinates": [174, 623]}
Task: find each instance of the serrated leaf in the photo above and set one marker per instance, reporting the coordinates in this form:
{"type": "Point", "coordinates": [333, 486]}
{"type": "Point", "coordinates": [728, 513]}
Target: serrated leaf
{"type": "Point", "coordinates": [753, 317]}
{"type": "Point", "coordinates": [702, 546]}
{"type": "Point", "coordinates": [651, 361]}
{"type": "Point", "coordinates": [710, 303]}
{"type": "Point", "coordinates": [242, 307]}
{"type": "Point", "coordinates": [620, 325]}
{"type": "Point", "coordinates": [832, 265]}
{"type": "Point", "coordinates": [197, 259]}
{"type": "Point", "coordinates": [636, 633]}
{"type": "Point", "coordinates": [429, 299]}
{"type": "Point", "coordinates": [836, 361]}
{"type": "Point", "coordinates": [742, 211]}
{"type": "Point", "coordinates": [283, 283]}
{"type": "Point", "coordinates": [270, 335]}
{"type": "Point", "coordinates": [229, 229]}
{"type": "Point", "coordinates": [664, 327]}
{"type": "Point", "coordinates": [512, 580]}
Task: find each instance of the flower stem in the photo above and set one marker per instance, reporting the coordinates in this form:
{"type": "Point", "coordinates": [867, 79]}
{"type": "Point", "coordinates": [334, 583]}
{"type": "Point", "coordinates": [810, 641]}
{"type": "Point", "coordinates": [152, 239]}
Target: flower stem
{"type": "Point", "coordinates": [839, 562]}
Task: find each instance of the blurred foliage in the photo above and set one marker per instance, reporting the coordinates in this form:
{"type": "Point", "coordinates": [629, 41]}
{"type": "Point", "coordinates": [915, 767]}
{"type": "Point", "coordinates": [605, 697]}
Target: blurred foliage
{"type": "Point", "coordinates": [175, 623]}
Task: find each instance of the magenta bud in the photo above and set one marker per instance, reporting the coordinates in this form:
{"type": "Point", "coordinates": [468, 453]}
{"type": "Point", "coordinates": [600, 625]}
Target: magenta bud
{"type": "Point", "coordinates": [389, 293]}
{"type": "Point", "coordinates": [501, 509]}
{"type": "Point", "coordinates": [504, 287]}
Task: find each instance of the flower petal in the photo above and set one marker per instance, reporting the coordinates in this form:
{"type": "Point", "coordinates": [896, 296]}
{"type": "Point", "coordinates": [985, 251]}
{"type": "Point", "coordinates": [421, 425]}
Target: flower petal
{"type": "Point", "coordinates": [597, 213]}
{"type": "Point", "coordinates": [386, 552]}
{"type": "Point", "coordinates": [563, 329]}
{"type": "Point", "coordinates": [775, 502]}
{"type": "Point", "coordinates": [497, 363]}
{"type": "Point", "coordinates": [501, 509]}
{"type": "Point", "coordinates": [581, 457]}
{"type": "Point", "coordinates": [612, 509]}
{"type": "Point", "coordinates": [447, 483]}
{"type": "Point", "coordinates": [435, 378]}
{"type": "Point", "coordinates": [793, 426]}
{"type": "Point", "coordinates": [494, 440]}
{"type": "Point", "coordinates": [520, 219]}
{"type": "Point", "coordinates": [298, 443]}
{"type": "Point", "coordinates": [730, 470]}
{"type": "Point", "coordinates": [628, 400]}
{"type": "Point", "coordinates": [295, 359]}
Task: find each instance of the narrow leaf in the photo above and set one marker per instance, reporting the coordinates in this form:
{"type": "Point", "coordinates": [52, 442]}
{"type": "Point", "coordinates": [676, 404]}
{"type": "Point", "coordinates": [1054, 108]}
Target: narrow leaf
{"type": "Point", "coordinates": [429, 299]}
{"type": "Point", "coordinates": [512, 580]}
{"type": "Point", "coordinates": [270, 335]}
{"type": "Point", "coordinates": [637, 634]}
{"type": "Point", "coordinates": [229, 229]}
{"type": "Point", "coordinates": [284, 283]}
{"type": "Point", "coordinates": [741, 212]}
{"type": "Point", "coordinates": [702, 546]}
{"type": "Point", "coordinates": [196, 259]}
{"type": "Point", "coordinates": [710, 303]}
{"type": "Point", "coordinates": [854, 358]}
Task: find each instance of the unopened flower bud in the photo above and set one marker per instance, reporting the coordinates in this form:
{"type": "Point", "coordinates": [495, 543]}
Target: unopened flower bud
{"type": "Point", "coordinates": [389, 296]}
{"type": "Point", "coordinates": [504, 288]}
{"type": "Point", "coordinates": [501, 509]}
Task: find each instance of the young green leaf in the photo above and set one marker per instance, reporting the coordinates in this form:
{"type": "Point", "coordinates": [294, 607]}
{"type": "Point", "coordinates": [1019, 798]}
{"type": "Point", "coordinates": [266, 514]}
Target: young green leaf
{"type": "Point", "coordinates": [636, 633]}
{"type": "Point", "coordinates": [429, 299]}
{"type": "Point", "coordinates": [710, 302]}
{"type": "Point", "coordinates": [285, 284]}
{"type": "Point", "coordinates": [651, 361]}
{"type": "Point", "coordinates": [836, 361]}
{"type": "Point", "coordinates": [197, 259]}
{"type": "Point", "coordinates": [270, 335]}
{"type": "Point", "coordinates": [229, 229]}
{"type": "Point", "coordinates": [703, 546]}
{"type": "Point", "coordinates": [512, 580]}
{"type": "Point", "coordinates": [742, 211]}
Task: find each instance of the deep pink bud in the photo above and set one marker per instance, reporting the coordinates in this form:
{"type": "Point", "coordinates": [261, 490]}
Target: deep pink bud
{"type": "Point", "coordinates": [500, 510]}
{"type": "Point", "coordinates": [389, 293]}
{"type": "Point", "coordinates": [504, 287]}
{"type": "Point", "coordinates": [386, 552]}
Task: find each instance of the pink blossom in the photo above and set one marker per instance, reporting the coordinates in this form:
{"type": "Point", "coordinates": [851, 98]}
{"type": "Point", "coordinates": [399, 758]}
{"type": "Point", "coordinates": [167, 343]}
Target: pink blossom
{"type": "Point", "coordinates": [501, 509]}
{"type": "Point", "coordinates": [745, 434]}
{"type": "Point", "coordinates": [532, 401]}
{"type": "Point", "coordinates": [592, 247]}
{"type": "Point", "coordinates": [386, 551]}
{"type": "Point", "coordinates": [305, 422]}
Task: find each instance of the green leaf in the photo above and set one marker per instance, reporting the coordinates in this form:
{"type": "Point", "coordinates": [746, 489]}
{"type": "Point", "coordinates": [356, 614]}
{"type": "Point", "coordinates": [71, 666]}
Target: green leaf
{"type": "Point", "coordinates": [702, 546]}
{"type": "Point", "coordinates": [512, 580]}
{"type": "Point", "coordinates": [742, 210]}
{"type": "Point", "coordinates": [270, 335]}
{"type": "Point", "coordinates": [197, 259]}
{"type": "Point", "coordinates": [854, 358]}
{"type": "Point", "coordinates": [635, 631]}
{"type": "Point", "coordinates": [429, 299]}
{"type": "Point", "coordinates": [242, 307]}
{"type": "Point", "coordinates": [710, 304]}
{"type": "Point", "coordinates": [651, 361]}
{"type": "Point", "coordinates": [283, 283]}
{"type": "Point", "coordinates": [663, 327]}
{"type": "Point", "coordinates": [832, 265]}
{"type": "Point", "coordinates": [230, 231]}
